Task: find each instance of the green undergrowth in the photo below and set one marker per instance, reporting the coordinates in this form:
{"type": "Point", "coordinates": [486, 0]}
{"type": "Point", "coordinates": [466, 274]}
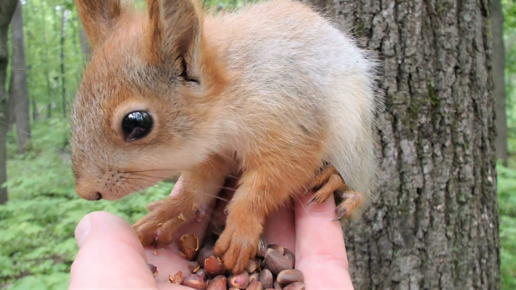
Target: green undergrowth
{"type": "Point", "coordinates": [507, 210]}
{"type": "Point", "coordinates": [38, 222]}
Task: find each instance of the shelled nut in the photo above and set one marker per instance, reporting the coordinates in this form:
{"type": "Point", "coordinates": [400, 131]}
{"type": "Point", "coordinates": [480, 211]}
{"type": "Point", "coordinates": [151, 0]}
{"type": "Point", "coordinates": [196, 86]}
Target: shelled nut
{"type": "Point", "coordinates": [188, 246]}
{"type": "Point", "coordinates": [276, 262]}
{"type": "Point", "coordinates": [213, 266]}
{"type": "Point", "coordinates": [287, 277]}
{"type": "Point", "coordinates": [295, 286]}
{"type": "Point", "coordinates": [240, 281]}
{"type": "Point", "coordinates": [194, 281]}
{"type": "Point", "coordinates": [218, 283]}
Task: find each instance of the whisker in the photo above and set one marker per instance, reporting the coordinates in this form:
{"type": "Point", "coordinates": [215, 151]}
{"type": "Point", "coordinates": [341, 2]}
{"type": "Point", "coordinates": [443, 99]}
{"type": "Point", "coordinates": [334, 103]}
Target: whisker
{"type": "Point", "coordinates": [168, 169]}
{"type": "Point", "coordinates": [31, 135]}
{"type": "Point", "coordinates": [215, 196]}
{"type": "Point", "coordinates": [143, 177]}
{"type": "Point", "coordinates": [135, 178]}
{"type": "Point", "coordinates": [184, 181]}
{"type": "Point", "coordinates": [7, 125]}
{"type": "Point", "coordinates": [154, 195]}
{"type": "Point", "coordinates": [148, 170]}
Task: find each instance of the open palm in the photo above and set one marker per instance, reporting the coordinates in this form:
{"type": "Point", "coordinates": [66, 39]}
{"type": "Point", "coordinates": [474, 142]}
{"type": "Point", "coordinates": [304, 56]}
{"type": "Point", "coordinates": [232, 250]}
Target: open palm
{"type": "Point", "coordinates": [111, 256]}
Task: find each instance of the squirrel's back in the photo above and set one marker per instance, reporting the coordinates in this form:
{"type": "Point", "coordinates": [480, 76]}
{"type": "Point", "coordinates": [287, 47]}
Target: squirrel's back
{"type": "Point", "coordinates": [296, 68]}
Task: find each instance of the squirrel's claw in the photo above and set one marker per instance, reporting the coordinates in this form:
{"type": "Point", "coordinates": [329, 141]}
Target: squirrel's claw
{"type": "Point", "coordinates": [328, 182]}
{"type": "Point", "coordinates": [341, 212]}
{"type": "Point", "coordinates": [349, 201]}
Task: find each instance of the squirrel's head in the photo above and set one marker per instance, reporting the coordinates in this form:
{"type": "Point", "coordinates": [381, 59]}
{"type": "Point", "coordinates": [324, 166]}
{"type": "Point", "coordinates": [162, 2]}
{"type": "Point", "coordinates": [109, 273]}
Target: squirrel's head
{"type": "Point", "coordinates": [146, 99]}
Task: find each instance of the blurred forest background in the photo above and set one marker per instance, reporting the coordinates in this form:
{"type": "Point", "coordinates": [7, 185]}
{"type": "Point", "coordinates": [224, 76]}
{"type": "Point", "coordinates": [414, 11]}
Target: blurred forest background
{"type": "Point", "coordinates": [47, 51]}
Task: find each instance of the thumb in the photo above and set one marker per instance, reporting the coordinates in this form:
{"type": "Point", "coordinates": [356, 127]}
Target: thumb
{"type": "Point", "coordinates": [110, 255]}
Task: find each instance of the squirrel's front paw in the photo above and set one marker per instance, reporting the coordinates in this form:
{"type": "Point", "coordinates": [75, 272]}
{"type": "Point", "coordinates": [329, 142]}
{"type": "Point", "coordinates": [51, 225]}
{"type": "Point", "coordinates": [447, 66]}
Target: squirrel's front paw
{"type": "Point", "coordinates": [237, 244]}
{"type": "Point", "coordinates": [164, 218]}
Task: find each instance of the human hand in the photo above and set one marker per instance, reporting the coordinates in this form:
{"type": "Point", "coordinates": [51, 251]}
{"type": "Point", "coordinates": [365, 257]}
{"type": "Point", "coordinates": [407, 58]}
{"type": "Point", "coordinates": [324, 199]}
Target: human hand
{"type": "Point", "coordinates": [111, 256]}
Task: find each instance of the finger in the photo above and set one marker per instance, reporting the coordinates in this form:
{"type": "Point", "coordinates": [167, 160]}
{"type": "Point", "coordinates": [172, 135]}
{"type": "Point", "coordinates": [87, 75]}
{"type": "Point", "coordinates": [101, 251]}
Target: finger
{"type": "Point", "coordinates": [110, 255]}
{"type": "Point", "coordinates": [320, 249]}
{"type": "Point", "coordinates": [280, 228]}
{"type": "Point", "coordinates": [177, 186]}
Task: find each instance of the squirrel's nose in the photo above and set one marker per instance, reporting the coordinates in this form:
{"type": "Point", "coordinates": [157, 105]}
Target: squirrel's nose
{"type": "Point", "coordinates": [90, 195]}
{"type": "Point", "coordinates": [99, 196]}
{"type": "Point", "coordinates": [86, 192]}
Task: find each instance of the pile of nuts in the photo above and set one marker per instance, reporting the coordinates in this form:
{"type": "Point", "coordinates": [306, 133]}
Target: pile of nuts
{"type": "Point", "coordinates": [272, 269]}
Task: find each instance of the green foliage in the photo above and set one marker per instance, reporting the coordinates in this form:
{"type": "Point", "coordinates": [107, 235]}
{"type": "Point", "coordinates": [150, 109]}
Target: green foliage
{"type": "Point", "coordinates": [37, 224]}
{"type": "Point", "coordinates": [509, 11]}
{"type": "Point", "coordinates": [507, 209]}
{"type": "Point", "coordinates": [507, 176]}
{"type": "Point", "coordinates": [42, 21]}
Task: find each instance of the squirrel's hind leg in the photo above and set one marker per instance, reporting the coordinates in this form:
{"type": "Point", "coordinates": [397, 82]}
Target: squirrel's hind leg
{"type": "Point", "coordinates": [347, 202]}
{"type": "Point", "coordinates": [328, 182]}
{"type": "Point", "coordinates": [325, 183]}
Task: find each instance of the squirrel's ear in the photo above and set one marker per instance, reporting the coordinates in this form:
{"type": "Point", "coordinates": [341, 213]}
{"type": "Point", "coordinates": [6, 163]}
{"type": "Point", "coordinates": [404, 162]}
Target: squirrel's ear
{"type": "Point", "coordinates": [97, 17]}
{"type": "Point", "coordinates": [175, 31]}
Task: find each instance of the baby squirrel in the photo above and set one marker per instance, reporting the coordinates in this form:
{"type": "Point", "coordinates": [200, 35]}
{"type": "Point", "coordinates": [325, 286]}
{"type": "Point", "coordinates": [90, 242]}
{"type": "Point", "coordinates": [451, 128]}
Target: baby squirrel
{"type": "Point", "coordinates": [272, 91]}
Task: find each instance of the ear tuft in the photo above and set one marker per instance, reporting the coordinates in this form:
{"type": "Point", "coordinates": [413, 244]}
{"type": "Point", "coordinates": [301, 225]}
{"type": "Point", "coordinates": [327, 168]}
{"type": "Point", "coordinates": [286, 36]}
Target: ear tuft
{"type": "Point", "coordinates": [98, 17]}
{"type": "Point", "coordinates": [175, 30]}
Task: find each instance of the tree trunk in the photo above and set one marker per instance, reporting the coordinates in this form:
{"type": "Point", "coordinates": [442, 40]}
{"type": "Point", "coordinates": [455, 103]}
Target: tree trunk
{"type": "Point", "coordinates": [6, 11]}
{"type": "Point", "coordinates": [35, 112]}
{"type": "Point", "coordinates": [11, 120]}
{"type": "Point", "coordinates": [47, 73]}
{"type": "Point", "coordinates": [499, 80]}
{"type": "Point", "coordinates": [85, 48]}
{"type": "Point", "coordinates": [18, 90]}
{"type": "Point", "coordinates": [434, 221]}
{"type": "Point", "coordinates": [62, 57]}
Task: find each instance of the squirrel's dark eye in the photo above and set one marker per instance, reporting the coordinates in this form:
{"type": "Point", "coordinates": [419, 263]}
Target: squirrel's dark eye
{"type": "Point", "coordinates": [136, 125]}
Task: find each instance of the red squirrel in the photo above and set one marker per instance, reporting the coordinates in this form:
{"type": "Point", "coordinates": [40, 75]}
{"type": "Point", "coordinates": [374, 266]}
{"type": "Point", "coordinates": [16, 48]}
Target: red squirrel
{"type": "Point", "coordinates": [273, 90]}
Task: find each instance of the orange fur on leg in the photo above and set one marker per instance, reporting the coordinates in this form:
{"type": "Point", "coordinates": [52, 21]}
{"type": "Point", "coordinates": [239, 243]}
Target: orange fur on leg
{"type": "Point", "coordinates": [267, 183]}
{"type": "Point", "coordinates": [251, 203]}
{"type": "Point", "coordinates": [333, 184]}
{"type": "Point", "coordinates": [325, 183]}
{"type": "Point", "coordinates": [201, 185]}
{"type": "Point", "coordinates": [325, 172]}
{"type": "Point", "coordinates": [157, 227]}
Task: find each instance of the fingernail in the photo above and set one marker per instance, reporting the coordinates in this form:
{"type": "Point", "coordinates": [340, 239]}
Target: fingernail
{"type": "Point", "coordinates": [82, 230]}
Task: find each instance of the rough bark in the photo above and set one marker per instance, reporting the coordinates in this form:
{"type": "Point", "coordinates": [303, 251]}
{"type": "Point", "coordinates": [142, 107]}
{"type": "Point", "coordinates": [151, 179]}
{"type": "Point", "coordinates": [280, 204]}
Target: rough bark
{"type": "Point", "coordinates": [434, 221]}
{"type": "Point", "coordinates": [6, 11]}
{"type": "Point", "coordinates": [18, 91]}
{"type": "Point", "coordinates": [499, 80]}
